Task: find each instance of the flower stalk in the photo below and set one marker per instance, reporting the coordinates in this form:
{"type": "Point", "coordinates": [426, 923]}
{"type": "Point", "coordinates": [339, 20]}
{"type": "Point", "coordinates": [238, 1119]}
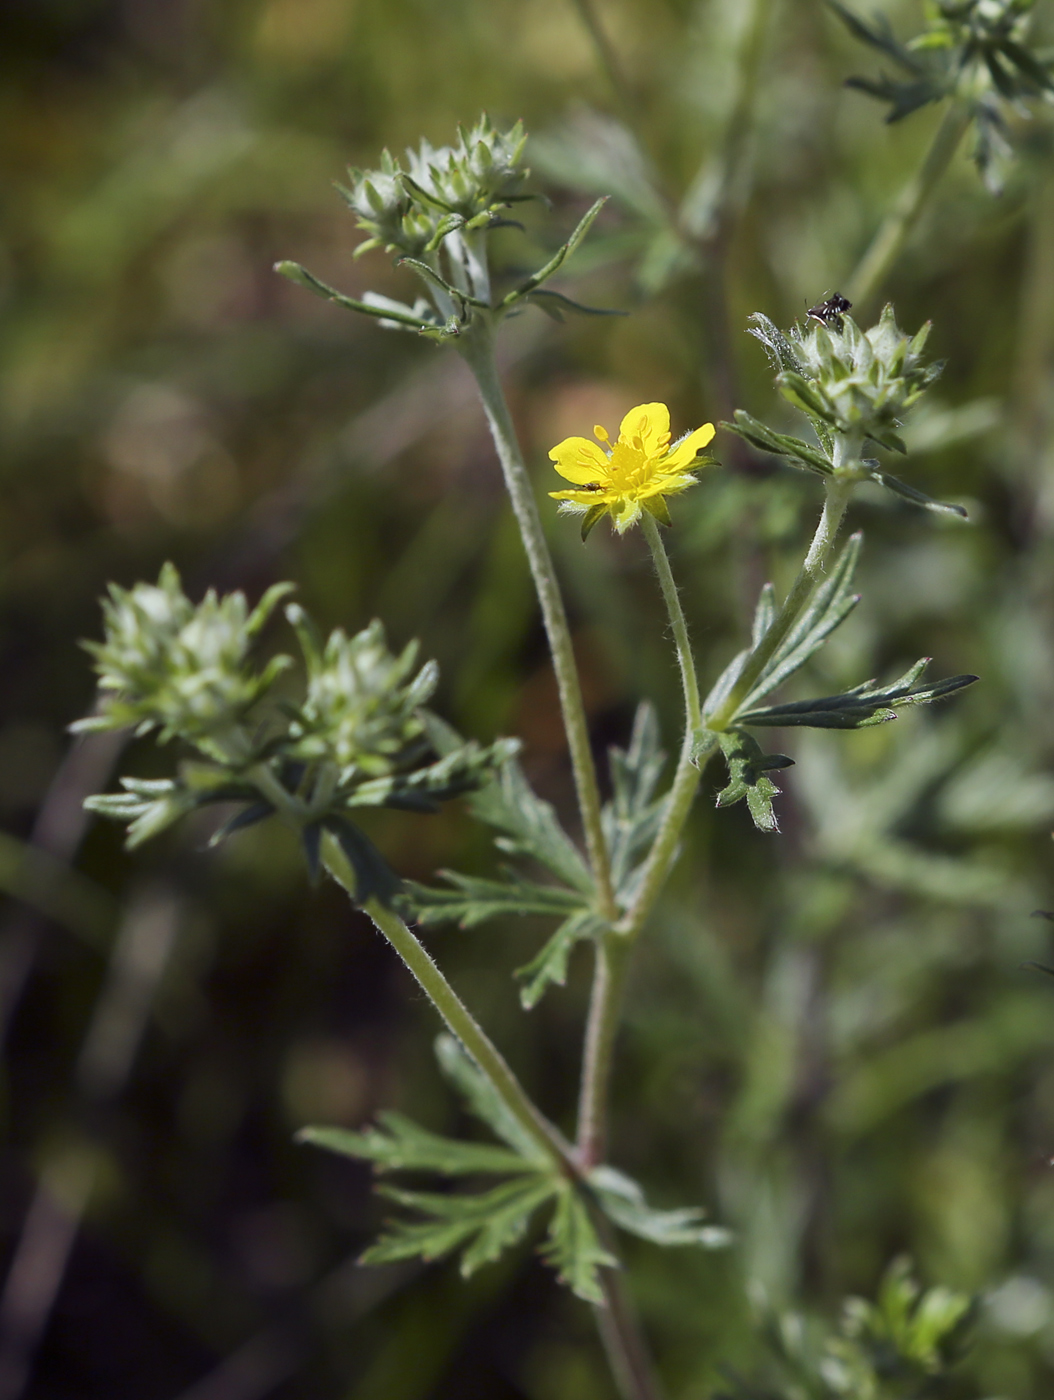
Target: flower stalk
{"type": "Point", "coordinates": [477, 348]}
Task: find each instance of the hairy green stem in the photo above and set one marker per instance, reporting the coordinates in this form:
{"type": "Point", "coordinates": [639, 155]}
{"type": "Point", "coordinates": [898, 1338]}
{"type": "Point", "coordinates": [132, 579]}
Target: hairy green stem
{"type": "Point", "coordinates": [678, 625]}
{"type": "Point", "coordinates": [624, 1344]}
{"type": "Point", "coordinates": [839, 489]}
{"type": "Point", "coordinates": [605, 1008]}
{"type": "Point", "coordinates": [455, 1013]}
{"type": "Point", "coordinates": [693, 759]}
{"type": "Point", "coordinates": [700, 743]}
{"type": "Point", "coordinates": [478, 350]}
{"type": "Point", "coordinates": [614, 950]}
{"type": "Point", "coordinates": [895, 229]}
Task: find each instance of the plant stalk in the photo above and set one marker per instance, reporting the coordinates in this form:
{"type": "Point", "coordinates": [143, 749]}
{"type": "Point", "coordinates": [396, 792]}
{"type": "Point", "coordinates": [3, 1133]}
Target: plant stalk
{"type": "Point", "coordinates": [455, 1013]}
{"type": "Point", "coordinates": [614, 950]}
{"type": "Point", "coordinates": [478, 350]}
{"type": "Point", "coordinates": [624, 1345]}
{"type": "Point", "coordinates": [896, 227]}
{"type": "Point", "coordinates": [605, 1009]}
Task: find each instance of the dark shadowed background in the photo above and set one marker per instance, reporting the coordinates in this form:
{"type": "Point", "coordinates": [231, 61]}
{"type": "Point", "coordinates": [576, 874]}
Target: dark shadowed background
{"type": "Point", "coordinates": [831, 1041]}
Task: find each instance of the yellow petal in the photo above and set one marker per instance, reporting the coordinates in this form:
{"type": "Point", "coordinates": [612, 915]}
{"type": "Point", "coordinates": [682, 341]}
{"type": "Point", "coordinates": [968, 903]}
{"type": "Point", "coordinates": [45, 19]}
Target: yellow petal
{"type": "Point", "coordinates": [578, 459]}
{"type": "Point", "coordinates": [687, 451]}
{"type": "Point", "coordinates": [651, 423]}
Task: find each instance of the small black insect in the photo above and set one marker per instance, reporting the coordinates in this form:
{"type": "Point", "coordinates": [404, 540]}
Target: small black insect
{"type": "Point", "coordinates": [829, 313]}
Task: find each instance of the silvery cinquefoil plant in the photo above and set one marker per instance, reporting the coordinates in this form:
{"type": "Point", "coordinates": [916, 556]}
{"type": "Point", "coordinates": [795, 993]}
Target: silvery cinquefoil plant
{"type": "Point", "coordinates": [360, 735]}
{"type": "Point", "coordinates": [975, 53]}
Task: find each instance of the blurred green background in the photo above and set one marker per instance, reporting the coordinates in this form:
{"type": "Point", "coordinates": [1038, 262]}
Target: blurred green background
{"type": "Point", "coordinates": [831, 1040]}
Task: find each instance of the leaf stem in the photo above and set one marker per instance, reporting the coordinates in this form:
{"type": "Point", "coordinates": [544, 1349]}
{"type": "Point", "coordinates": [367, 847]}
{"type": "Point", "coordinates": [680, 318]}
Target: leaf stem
{"type": "Point", "coordinates": [477, 348]}
{"type": "Point", "coordinates": [839, 489]}
{"type": "Point", "coordinates": [456, 1014]}
{"type": "Point", "coordinates": [896, 227]}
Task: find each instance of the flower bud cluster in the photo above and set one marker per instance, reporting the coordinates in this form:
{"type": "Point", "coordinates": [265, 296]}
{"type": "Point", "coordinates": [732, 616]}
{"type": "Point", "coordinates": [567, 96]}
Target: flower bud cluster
{"type": "Point", "coordinates": [359, 737]}
{"type": "Point", "coordinates": [981, 25]}
{"type": "Point", "coordinates": [442, 189]}
{"type": "Point", "coordinates": [167, 664]}
{"type": "Point", "coordinates": [856, 383]}
{"type": "Point", "coordinates": [362, 709]}
{"type": "Point", "coordinates": [851, 382]}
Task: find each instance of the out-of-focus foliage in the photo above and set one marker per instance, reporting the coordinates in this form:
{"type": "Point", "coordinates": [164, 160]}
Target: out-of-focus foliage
{"type": "Point", "coordinates": [831, 1041]}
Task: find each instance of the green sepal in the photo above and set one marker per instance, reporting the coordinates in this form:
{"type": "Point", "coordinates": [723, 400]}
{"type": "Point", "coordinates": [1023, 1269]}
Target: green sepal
{"type": "Point", "coordinates": [797, 390]}
{"type": "Point", "coordinates": [747, 767]}
{"type": "Point", "coordinates": [300, 275]}
{"type": "Point", "coordinates": [592, 517]}
{"type": "Point", "coordinates": [425, 196]}
{"type": "Point", "coordinates": [861, 707]}
{"type": "Point", "coordinates": [656, 506]}
{"type": "Point", "coordinates": [451, 224]}
{"type": "Point", "coordinates": [398, 1144]}
{"type": "Point", "coordinates": [549, 967]}
{"type": "Point", "coordinates": [148, 806]}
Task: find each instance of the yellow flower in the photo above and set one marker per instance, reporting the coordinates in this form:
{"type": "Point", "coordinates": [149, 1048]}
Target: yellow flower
{"type": "Point", "coordinates": [636, 473]}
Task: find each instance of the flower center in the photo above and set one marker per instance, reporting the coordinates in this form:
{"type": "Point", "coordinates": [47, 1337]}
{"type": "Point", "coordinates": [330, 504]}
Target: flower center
{"type": "Point", "coordinates": [630, 464]}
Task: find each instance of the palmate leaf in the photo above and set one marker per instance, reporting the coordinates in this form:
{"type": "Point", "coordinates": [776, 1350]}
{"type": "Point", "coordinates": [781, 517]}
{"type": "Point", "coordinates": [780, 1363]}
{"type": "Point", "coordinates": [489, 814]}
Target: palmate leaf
{"type": "Point", "coordinates": [861, 707]}
{"type": "Point", "coordinates": [622, 1201]}
{"type": "Point", "coordinates": [531, 826]}
{"type": "Point", "coordinates": [632, 817]}
{"type": "Point", "coordinates": [573, 1247]}
{"type": "Point", "coordinates": [472, 901]}
{"type": "Point", "coordinates": [747, 776]}
{"type": "Point", "coordinates": [550, 965]}
{"type": "Point", "coordinates": [483, 1224]}
{"type": "Point", "coordinates": [398, 1144]}
{"type": "Point", "coordinates": [510, 805]}
{"type": "Point", "coordinates": [484, 1102]}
